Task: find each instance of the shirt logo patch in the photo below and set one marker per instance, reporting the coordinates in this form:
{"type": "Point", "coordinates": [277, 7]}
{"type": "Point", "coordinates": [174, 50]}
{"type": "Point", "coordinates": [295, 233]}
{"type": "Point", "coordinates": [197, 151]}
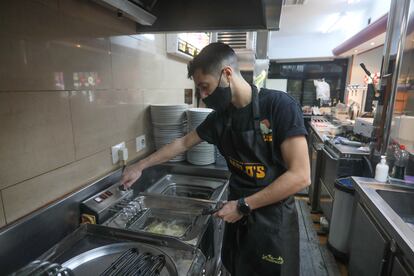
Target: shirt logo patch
{"type": "Point", "coordinates": [276, 260]}
{"type": "Point", "coordinates": [266, 130]}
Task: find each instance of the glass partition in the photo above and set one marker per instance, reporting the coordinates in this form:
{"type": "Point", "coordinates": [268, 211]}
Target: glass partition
{"type": "Point", "coordinates": [402, 126]}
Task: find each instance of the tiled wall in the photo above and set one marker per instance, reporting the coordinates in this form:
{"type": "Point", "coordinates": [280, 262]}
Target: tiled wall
{"type": "Point", "coordinates": [56, 130]}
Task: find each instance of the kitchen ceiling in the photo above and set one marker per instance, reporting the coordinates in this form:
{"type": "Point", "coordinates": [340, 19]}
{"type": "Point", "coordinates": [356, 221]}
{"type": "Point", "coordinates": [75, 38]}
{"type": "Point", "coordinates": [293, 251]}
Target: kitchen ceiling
{"type": "Point", "coordinates": [366, 46]}
{"type": "Point", "coordinates": [326, 23]}
{"type": "Point", "coordinates": [314, 15]}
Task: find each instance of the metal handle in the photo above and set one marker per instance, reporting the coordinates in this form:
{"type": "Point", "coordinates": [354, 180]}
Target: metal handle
{"type": "Point", "coordinates": [213, 210]}
{"type": "Point", "coordinates": [365, 69]}
{"type": "Point", "coordinates": [329, 154]}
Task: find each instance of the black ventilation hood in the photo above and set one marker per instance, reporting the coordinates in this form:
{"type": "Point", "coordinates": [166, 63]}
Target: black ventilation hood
{"type": "Point", "coordinates": [203, 15]}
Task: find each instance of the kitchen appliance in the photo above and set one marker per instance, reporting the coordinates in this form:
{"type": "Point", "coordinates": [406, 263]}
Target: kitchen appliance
{"type": "Point", "coordinates": [174, 16]}
{"type": "Point", "coordinates": [338, 161]}
{"type": "Point", "coordinates": [29, 235]}
{"type": "Point", "coordinates": [122, 258]}
{"type": "Point", "coordinates": [189, 186]}
{"type": "Point", "coordinates": [38, 267]}
{"type": "Point", "coordinates": [91, 249]}
{"type": "Point", "coordinates": [101, 206]}
{"type": "Point", "coordinates": [364, 126]}
{"type": "Point", "coordinates": [105, 204]}
{"type": "Point", "coordinates": [175, 217]}
{"type": "Point", "coordinates": [205, 188]}
{"type": "Point", "coordinates": [170, 207]}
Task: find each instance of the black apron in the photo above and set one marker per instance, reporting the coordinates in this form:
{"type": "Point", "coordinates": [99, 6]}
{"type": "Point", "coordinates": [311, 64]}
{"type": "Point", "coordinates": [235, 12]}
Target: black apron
{"type": "Point", "coordinates": [267, 241]}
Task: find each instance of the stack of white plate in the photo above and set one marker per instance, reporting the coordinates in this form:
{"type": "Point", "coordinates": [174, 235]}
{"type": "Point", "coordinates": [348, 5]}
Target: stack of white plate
{"type": "Point", "coordinates": [203, 153]}
{"type": "Point", "coordinates": [169, 123]}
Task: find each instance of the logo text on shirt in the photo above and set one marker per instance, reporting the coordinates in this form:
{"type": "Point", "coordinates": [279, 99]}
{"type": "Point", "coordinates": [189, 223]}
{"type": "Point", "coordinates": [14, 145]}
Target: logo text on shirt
{"type": "Point", "coordinates": [254, 170]}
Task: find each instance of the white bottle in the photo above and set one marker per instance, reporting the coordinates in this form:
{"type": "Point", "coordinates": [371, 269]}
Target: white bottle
{"type": "Point", "coordinates": [381, 170]}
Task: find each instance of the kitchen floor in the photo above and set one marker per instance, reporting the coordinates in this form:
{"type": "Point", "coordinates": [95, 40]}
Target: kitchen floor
{"type": "Point", "coordinates": [316, 259]}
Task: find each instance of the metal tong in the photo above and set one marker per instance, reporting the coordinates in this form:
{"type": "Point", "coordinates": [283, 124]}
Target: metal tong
{"type": "Point", "coordinates": [212, 210]}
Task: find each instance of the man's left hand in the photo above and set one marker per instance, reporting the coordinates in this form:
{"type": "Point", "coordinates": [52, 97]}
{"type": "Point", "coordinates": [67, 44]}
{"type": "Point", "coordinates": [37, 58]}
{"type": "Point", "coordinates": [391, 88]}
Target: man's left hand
{"type": "Point", "coordinates": [229, 212]}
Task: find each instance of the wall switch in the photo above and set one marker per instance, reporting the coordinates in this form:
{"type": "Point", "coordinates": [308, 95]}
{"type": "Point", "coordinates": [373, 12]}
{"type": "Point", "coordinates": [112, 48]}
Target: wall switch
{"type": "Point", "coordinates": [140, 143]}
{"type": "Point", "coordinates": [114, 152]}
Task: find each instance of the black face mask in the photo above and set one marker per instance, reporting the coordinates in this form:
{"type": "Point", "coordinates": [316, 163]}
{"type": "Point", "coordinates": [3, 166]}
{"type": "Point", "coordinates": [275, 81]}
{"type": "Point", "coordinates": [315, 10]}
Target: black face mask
{"type": "Point", "coordinates": [220, 99]}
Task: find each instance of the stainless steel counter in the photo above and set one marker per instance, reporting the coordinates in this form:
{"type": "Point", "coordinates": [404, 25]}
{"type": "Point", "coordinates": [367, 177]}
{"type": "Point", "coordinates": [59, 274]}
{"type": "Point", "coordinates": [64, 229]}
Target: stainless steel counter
{"type": "Point", "coordinates": [347, 150]}
{"type": "Point", "coordinates": [392, 205]}
{"type": "Point", "coordinates": [315, 146]}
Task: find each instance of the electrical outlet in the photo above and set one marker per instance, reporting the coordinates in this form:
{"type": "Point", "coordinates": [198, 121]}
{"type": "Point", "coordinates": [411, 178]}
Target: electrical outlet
{"type": "Point", "coordinates": [140, 143]}
{"type": "Point", "coordinates": [114, 152]}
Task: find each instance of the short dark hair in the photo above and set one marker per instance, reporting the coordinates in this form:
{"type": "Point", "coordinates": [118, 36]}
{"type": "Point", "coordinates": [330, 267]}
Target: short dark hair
{"type": "Point", "coordinates": [212, 59]}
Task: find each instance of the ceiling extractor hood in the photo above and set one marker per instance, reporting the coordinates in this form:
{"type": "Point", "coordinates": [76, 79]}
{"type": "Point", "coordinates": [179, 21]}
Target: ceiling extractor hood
{"type": "Point", "coordinates": [248, 46]}
{"type": "Point", "coordinates": [136, 10]}
{"type": "Point", "coordinates": [201, 15]}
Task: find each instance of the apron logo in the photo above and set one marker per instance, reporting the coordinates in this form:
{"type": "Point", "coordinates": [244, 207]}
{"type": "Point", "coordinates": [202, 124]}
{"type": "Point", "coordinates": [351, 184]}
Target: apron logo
{"type": "Point", "coordinates": [276, 260]}
{"type": "Point", "coordinates": [254, 170]}
{"type": "Point", "coordinates": [266, 130]}
{"type": "Point", "coordinates": [268, 137]}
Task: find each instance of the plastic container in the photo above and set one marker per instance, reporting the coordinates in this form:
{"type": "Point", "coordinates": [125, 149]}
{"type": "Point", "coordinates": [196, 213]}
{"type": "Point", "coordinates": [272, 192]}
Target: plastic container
{"type": "Point", "coordinates": [381, 170]}
{"type": "Point", "coordinates": [401, 157]}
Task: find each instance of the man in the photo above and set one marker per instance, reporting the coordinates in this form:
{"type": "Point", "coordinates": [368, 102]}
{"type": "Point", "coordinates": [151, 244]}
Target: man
{"type": "Point", "coordinates": [262, 137]}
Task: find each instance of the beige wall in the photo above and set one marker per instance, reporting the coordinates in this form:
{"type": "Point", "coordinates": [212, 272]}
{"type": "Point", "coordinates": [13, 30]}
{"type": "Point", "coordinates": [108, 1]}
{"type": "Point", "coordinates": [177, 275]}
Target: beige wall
{"type": "Point", "coordinates": [372, 60]}
{"type": "Point", "coordinates": [56, 135]}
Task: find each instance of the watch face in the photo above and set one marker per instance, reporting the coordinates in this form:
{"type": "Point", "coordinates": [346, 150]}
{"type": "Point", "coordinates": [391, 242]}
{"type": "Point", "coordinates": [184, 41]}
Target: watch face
{"type": "Point", "coordinates": [244, 208]}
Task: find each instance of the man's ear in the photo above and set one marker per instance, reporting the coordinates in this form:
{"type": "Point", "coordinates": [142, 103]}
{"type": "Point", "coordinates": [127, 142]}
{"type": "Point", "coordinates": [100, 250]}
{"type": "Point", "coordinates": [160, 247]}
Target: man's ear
{"type": "Point", "coordinates": [228, 73]}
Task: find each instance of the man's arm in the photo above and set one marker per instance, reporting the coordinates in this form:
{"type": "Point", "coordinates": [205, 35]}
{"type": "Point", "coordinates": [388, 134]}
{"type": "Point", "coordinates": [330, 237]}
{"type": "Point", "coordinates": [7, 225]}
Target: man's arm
{"type": "Point", "coordinates": [297, 177]}
{"type": "Point", "coordinates": [133, 172]}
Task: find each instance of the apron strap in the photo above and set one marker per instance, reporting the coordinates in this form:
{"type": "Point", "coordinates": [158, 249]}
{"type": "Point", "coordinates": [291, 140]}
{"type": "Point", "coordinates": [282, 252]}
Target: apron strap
{"type": "Point", "coordinates": [255, 111]}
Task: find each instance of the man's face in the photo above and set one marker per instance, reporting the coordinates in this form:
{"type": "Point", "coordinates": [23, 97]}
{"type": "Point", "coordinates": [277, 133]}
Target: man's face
{"type": "Point", "coordinates": [206, 83]}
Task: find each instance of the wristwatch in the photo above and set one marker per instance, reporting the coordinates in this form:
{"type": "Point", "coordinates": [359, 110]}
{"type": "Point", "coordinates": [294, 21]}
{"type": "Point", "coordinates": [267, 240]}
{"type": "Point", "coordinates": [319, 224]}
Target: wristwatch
{"type": "Point", "coordinates": [243, 207]}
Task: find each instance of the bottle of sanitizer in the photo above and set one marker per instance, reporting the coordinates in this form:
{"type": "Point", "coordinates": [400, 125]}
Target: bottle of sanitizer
{"type": "Point", "coordinates": [381, 170]}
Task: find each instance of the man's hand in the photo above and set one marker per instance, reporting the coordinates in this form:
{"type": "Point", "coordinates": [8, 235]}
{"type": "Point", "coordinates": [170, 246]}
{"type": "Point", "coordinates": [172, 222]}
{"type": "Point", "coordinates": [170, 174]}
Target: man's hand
{"type": "Point", "coordinates": [131, 174]}
{"type": "Point", "coordinates": [229, 212]}
{"type": "Point", "coordinates": [180, 145]}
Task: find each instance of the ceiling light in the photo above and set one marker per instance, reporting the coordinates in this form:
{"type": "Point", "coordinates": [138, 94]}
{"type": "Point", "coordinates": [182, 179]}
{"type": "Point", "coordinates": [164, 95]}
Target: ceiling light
{"type": "Point", "coordinates": [149, 36]}
{"type": "Point", "coordinates": [78, 45]}
{"type": "Point", "coordinates": [355, 51]}
{"type": "Point", "coordinates": [372, 43]}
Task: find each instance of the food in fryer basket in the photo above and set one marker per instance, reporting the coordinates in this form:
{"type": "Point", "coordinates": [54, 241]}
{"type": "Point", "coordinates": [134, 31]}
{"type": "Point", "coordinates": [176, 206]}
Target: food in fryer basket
{"type": "Point", "coordinates": [169, 228]}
